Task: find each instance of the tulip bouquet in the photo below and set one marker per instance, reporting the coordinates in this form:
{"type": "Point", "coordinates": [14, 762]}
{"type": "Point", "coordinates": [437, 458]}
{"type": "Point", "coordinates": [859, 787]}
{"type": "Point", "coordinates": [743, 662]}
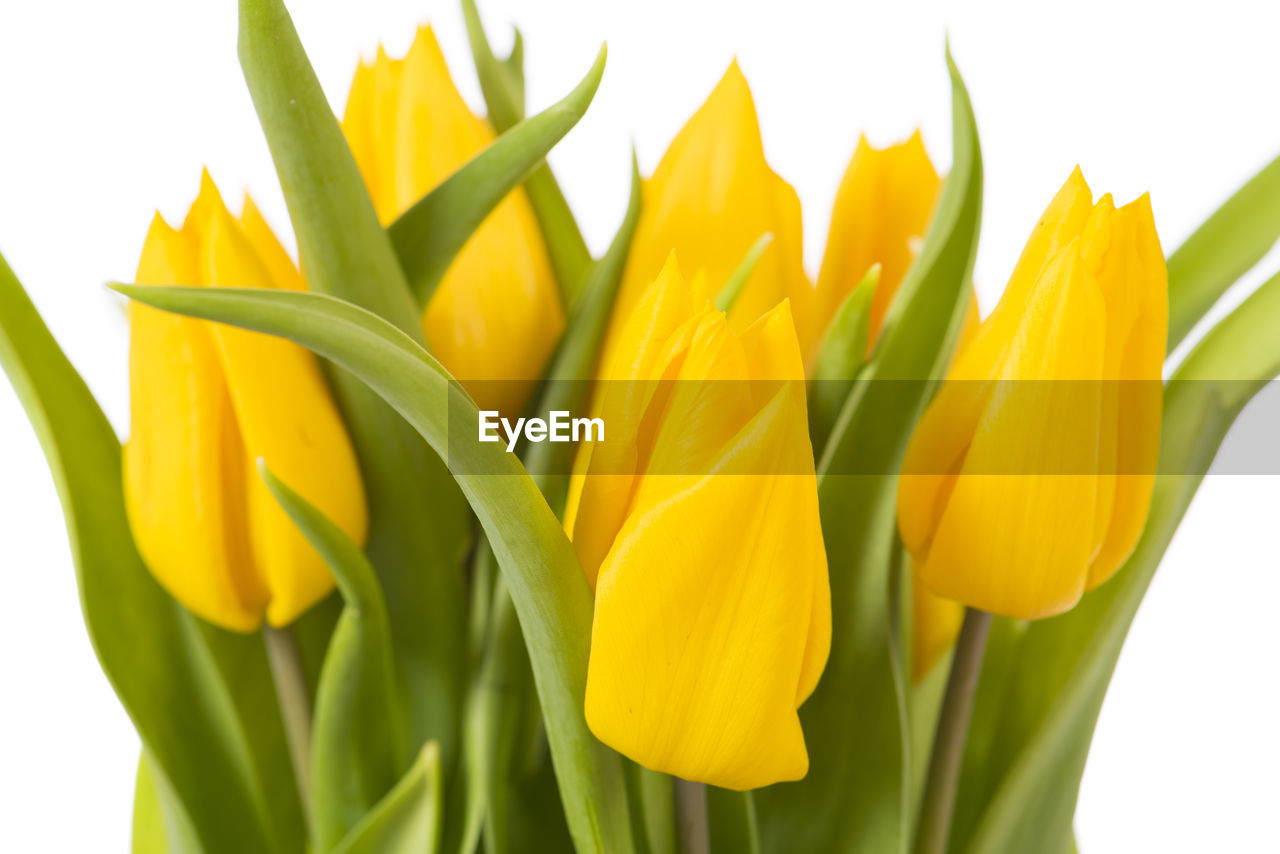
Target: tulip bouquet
{"type": "Point", "coordinates": [451, 537]}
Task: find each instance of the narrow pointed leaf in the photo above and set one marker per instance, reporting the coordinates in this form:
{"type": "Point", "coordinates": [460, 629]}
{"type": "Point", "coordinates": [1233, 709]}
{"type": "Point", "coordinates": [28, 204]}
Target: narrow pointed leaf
{"type": "Point", "coordinates": [408, 819]}
{"type": "Point", "coordinates": [538, 563]}
{"type": "Point", "coordinates": [856, 795]}
{"type": "Point", "coordinates": [358, 733]}
{"type": "Point", "coordinates": [840, 356]}
{"type": "Point", "coordinates": [419, 527]}
{"type": "Point", "coordinates": [728, 294]}
{"type": "Point", "coordinates": [503, 91]}
{"type": "Point", "coordinates": [201, 699]}
{"type": "Point", "coordinates": [1223, 248]}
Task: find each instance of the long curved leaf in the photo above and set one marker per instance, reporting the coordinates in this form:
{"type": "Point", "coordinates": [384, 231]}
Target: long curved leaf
{"type": "Point", "coordinates": [856, 795]}
{"type": "Point", "coordinates": [201, 699]}
{"type": "Point", "coordinates": [500, 707]}
{"type": "Point", "coordinates": [1021, 788]}
{"type": "Point", "coordinates": [1224, 247]}
{"type": "Point", "coordinates": [358, 732]}
{"type": "Point", "coordinates": [429, 235]}
{"type": "Point", "coordinates": [419, 528]}
{"type": "Point", "coordinates": [407, 820]}
{"type": "Point", "coordinates": [502, 84]}
{"type": "Point", "coordinates": [538, 563]}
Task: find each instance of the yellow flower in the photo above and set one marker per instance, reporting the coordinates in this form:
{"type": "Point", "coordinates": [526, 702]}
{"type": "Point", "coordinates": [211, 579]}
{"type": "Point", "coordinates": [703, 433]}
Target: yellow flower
{"type": "Point", "coordinates": [496, 316]}
{"type": "Point", "coordinates": [1028, 480]}
{"type": "Point", "coordinates": [207, 402]}
{"type": "Point", "coordinates": [712, 196]}
{"type": "Point", "coordinates": [697, 525]}
{"type": "Point", "coordinates": [882, 208]}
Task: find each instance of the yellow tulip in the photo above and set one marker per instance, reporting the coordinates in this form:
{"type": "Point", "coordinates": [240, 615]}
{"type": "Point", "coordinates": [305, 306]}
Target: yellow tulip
{"type": "Point", "coordinates": [1028, 480]}
{"type": "Point", "coordinates": [207, 402]}
{"type": "Point", "coordinates": [697, 526]}
{"type": "Point", "coordinates": [495, 317]}
{"type": "Point", "coordinates": [882, 209]}
{"type": "Point", "coordinates": [712, 196]}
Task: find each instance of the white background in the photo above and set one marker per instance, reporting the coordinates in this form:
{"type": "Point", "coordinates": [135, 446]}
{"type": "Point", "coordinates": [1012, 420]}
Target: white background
{"type": "Point", "coordinates": [110, 109]}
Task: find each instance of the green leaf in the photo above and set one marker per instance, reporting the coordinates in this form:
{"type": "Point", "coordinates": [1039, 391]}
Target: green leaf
{"type": "Point", "coordinates": [538, 563]}
{"type": "Point", "coordinates": [408, 819]}
{"type": "Point", "coordinates": [728, 294]}
{"type": "Point", "coordinates": [159, 824]}
{"type": "Point", "coordinates": [855, 797]}
{"type": "Point", "coordinates": [1224, 247]}
{"type": "Point", "coordinates": [503, 90]}
{"type": "Point", "coordinates": [840, 356]}
{"type": "Point", "coordinates": [1021, 787]}
{"type": "Point", "coordinates": [731, 819]}
{"type": "Point", "coordinates": [358, 732]}
{"type": "Point", "coordinates": [201, 699]}
{"type": "Point", "coordinates": [501, 707]}
{"type": "Point", "coordinates": [419, 528]}
{"type": "Point", "coordinates": [651, 795]}
{"type": "Point", "coordinates": [429, 235]}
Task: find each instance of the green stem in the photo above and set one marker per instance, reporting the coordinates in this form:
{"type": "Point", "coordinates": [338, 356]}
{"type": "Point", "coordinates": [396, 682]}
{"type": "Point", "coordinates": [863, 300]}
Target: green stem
{"type": "Point", "coordinates": [295, 706]}
{"type": "Point", "coordinates": [692, 833]}
{"type": "Point", "coordinates": [953, 729]}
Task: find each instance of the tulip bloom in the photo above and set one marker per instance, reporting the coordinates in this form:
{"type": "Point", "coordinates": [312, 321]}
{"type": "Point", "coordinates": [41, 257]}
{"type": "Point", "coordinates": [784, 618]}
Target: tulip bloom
{"type": "Point", "coordinates": [207, 401]}
{"type": "Point", "coordinates": [698, 529]}
{"type": "Point", "coordinates": [1063, 379]}
{"type": "Point", "coordinates": [712, 196]}
{"type": "Point", "coordinates": [496, 314]}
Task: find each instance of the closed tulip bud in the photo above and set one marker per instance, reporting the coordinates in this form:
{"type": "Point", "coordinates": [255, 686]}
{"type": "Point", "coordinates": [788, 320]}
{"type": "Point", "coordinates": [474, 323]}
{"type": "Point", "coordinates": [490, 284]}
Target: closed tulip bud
{"type": "Point", "coordinates": [881, 213]}
{"type": "Point", "coordinates": [208, 401]}
{"type": "Point", "coordinates": [697, 526]}
{"type": "Point", "coordinates": [712, 196]}
{"type": "Point", "coordinates": [496, 314]}
{"type": "Point", "coordinates": [1028, 480]}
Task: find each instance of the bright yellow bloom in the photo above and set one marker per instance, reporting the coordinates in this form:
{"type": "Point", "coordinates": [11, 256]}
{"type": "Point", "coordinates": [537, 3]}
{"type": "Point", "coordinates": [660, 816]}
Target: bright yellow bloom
{"type": "Point", "coordinates": [208, 401]}
{"type": "Point", "coordinates": [1028, 480]}
{"type": "Point", "coordinates": [697, 525]}
{"type": "Point", "coordinates": [496, 315]}
{"type": "Point", "coordinates": [882, 209]}
{"type": "Point", "coordinates": [712, 196]}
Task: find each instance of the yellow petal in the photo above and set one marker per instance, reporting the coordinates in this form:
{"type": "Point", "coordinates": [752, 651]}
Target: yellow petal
{"type": "Point", "coordinates": [1134, 284]}
{"type": "Point", "coordinates": [284, 274]}
{"type": "Point", "coordinates": [183, 464]}
{"type": "Point", "coordinates": [597, 504]}
{"type": "Point", "coordinates": [287, 418]}
{"type": "Point", "coordinates": [1019, 544]}
{"type": "Point", "coordinates": [883, 204]}
{"type": "Point", "coordinates": [935, 625]}
{"type": "Point", "coordinates": [711, 197]}
{"type": "Point", "coordinates": [712, 620]}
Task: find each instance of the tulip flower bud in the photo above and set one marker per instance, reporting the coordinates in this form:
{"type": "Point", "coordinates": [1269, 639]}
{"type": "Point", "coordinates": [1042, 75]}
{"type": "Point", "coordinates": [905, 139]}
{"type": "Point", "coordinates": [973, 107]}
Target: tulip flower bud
{"type": "Point", "coordinates": [697, 525]}
{"type": "Point", "coordinates": [712, 196]}
{"type": "Point", "coordinates": [207, 401]}
{"type": "Point", "coordinates": [1027, 481]}
{"type": "Point", "coordinates": [881, 212]}
{"type": "Point", "coordinates": [496, 314]}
